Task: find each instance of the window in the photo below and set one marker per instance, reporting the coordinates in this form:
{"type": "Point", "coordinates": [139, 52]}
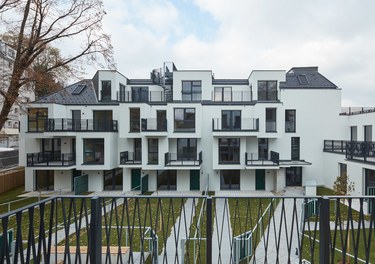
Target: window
{"type": "Point", "coordinates": [122, 94]}
{"type": "Point", "coordinates": [229, 150]}
{"type": "Point", "coordinates": [79, 89]}
{"type": "Point", "coordinates": [112, 179]}
{"type": "Point", "coordinates": [370, 181]}
{"type": "Point", "coordinates": [263, 148]}
{"type": "Point", "coordinates": [135, 118]}
{"type": "Point", "coordinates": [231, 119]}
{"type": "Point", "coordinates": [9, 123]}
{"type": "Point", "coordinates": [270, 119]}
{"type": "Point", "coordinates": [303, 79]}
{"type": "Point", "coordinates": [343, 169]}
{"type": "Point", "coordinates": [37, 119]}
{"type": "Point", "coordinates": [267, 90]}
{"type": "Point", "coordinates": [290, 120]}
{"type": "Point", "coordinates": [184, 119]}
{"type": "Point", "coordinates": [229, 179]}
{"type": "Point", "coordinates": [16, 110]}
{"type": "Point", "coordinates": [139, 94]}
{"type": "Point", "coordinates": [102, 120]}
{"type": "Point", "coordinates": [293, 176]}
{"type": "Point", "coordinates": [153, 151]}
{"type": "Point", "coordinates": [93, 151]}
{"type": "Point", "coordinates": [223, 94]}
{"type": "Point", "coordinates": [137, 149]}
{"type": "Point", "coordinates": [44, 180]}
{"type": "Point", "coordinates": [295, 148]}
{"type": "Point", "coordinates": [186, 149]}
{"type": "Point", "coordinates": [353, 133]}
{"type": "Point", "coordinates": [167, 180]}
{"type": "Point", "coordinates": [51, 147]}
{"type": "Point", "coordinates": [191, 90]}
{"type": "Point", "coordinates": [106, 90]}
{"type": "Point", "coordinates": [368, 133]}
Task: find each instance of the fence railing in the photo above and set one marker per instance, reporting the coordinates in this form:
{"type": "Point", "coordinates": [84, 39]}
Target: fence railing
{"type": "Point", "coordinates": [127, 157]}
{"type": "Point", "coordinates": [182, 159]}
{"type": "Point", "coordinates": [152, 96]}
{"type": "Point", "coordinates": [243, 124]}
{"type": "Point", "coordinates": [232, 96]}
{"type": "Point", "coordinates": [42, 159]}
{"type": "Point", "coordinates": [353, 150]}
{"type": "Point", "coordinates": [154, 124]}
{"type": "Point", "coordinates": [254, 159]}
{"type": "Point", "coordinates": [154, 229]}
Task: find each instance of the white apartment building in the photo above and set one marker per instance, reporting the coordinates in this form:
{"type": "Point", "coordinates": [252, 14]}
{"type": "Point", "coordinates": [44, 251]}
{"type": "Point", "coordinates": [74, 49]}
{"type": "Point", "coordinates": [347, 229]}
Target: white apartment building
{"type": "Point", "coordinates": [9, 134]}
{"type": "Point", "coordinates": [187, 130]}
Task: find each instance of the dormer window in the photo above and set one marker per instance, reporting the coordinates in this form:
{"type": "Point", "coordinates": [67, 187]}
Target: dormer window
{"type": "Point", "coordinates": [303, 79]}
{"type": "Point", "coordinates": [139, 94]}
{"type": "Point", "coordinates": [106, 94]}
{"type": "Point", "coordinates": [267, 90]}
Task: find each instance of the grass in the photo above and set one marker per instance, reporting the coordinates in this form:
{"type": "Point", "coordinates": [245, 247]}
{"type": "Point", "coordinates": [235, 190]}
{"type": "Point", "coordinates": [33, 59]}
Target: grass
{"type": "Point", "coordinates": [13, 195]}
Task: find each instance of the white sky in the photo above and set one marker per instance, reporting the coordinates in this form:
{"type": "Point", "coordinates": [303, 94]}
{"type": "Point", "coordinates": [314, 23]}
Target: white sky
{"type": "Point", "coordinates": [233, 37]}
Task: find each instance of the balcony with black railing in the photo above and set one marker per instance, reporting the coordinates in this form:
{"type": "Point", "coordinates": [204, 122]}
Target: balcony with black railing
{"type": "Point", "coordinates": [130, 158]}
{"type": "Point", "coordinates": [182, 159]}
{"type": "Point", "coordinates": [255, 159]}
{"type": "Point", "coordinates": [131, 97]}
{"type": "Point", "coordinates": [184, 229]}
{"type": "Point", "coordinates": [231, 96]}
{"type": "Point", "coordinates": [363, 151]}
{"type": "Point", "coordinates": [50, 159]}
{"type": "Point", "coordinates": [78, 125]}
{"type": "Point", "coordinates": [153, 125]}
{"type": "Point", "coordinates": [240, 125]}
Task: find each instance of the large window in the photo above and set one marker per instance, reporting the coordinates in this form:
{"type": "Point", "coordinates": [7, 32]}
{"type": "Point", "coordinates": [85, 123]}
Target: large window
{"type": "Point", "coordinates": [229, 179]}
{"type": "Point", "coordinates": [231, 119]}
{"type": "Point", "coordinates": [295, 148]}
{"type": "Point", "coordinates": [44, 180]}
{"type": "Point", "coordinates": [153, 151]}
{"type": "Point", "coordinates": [229, 150]}
{"type": "Point", "coordinates": [186, 149]}
{"type": "Point", "coordinates": [51, 148]}
{"type": "Point", "coordinates": [184, 119]}
{"type": "Point", "coordinates": [191, 90]}
{"type": "Point", "coordinates": [368, 133]}
{"type": "Point", "coordinates": [263, 148]}
{"type": "Point", "coordinates": [135, 119]}
{"type": "Point", "coordinates": [342, 169]}
{"type": "Point", "coordinates": [267, 90]}
{"type": "Point", "coordinates": [93, 151]}
{"type": "Point", "coordinates": [293, 176]}
{"type": "Point", "coordinates": [223, 94]}
{"type": "Point", "coordinates": [353, 133]}
{"type": "Point", "coordinates": [290, 120]}
{"type": "Point", "coordinates": [106, 90]}
{"type": "Point", "coordinates": [37, 118]}
{"type": "Point", "coordinates": [112, 179]}
{"type": "Point", "coordinates": [270, 119]}
{"type": "Point", "coordinates": [137, 149]}
{"type": "Point", "coordinates": [139, 94]}
{"type": "Point", "coordinates": [102, 120]}
{"type": "Point", "coordinates": [369, 181]}
{"type": "Point", "coordinates": [167, 180]}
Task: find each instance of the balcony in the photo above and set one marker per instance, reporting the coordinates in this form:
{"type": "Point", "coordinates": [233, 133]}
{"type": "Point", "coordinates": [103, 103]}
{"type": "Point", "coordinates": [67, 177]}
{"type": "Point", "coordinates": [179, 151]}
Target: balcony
{"type": "Point", "coordinates": [253, 159]}
{"type": "Point", "coordinates": [182, 159]}
{"type": "Point", "coordinates": [363, 151]}
{"type": "Point", "coordinates": [236, 96]}
{"type": "Point", "coordinates": [50, 159]}
{"type": "Point", "coordinates": [244, 125]}
{"type": "Point", "coordinates": [131, 158]}
{"type": "Point", "coordinates": [79, 125]}
{"type": "Point", "coordinates": [153, 125]}
{"type": "Point", "coordinates": [130, 97]}
{"type": "Point", "coordinates": [146, 229]}
{"type": "Point", "coordinates": [271, 126]}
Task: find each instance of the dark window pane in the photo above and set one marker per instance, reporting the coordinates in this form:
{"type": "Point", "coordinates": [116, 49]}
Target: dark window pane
{"type": "Point", "coordinates": [106, 90]}
{"type": "Point", "coordinates": [290, 120]}
{"type": "Point", "coordinates": [93, 151]}
{"type": "Point", "coordinates": [229, 150]}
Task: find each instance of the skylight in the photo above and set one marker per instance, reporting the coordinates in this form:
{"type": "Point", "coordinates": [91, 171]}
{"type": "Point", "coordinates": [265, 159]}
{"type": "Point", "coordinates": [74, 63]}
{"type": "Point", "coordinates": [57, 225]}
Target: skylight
{"type": "Point", "coordinates": [303, 79]}
{"type": "Point", "coordinates": [79, 89]}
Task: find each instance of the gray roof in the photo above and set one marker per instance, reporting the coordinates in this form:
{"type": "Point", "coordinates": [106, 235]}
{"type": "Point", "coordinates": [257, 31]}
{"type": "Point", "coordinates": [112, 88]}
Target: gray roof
{"type": "Point", "coordinates": [67, 96]}
{"type": "Point", "coordinates": [306, 78]}
{"type": "Point", "coordinates": [230, 81]}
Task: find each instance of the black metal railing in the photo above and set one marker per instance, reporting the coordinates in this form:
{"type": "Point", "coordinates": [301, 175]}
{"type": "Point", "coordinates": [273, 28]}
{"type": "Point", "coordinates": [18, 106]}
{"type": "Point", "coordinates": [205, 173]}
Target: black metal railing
{"type": "Point", "coordinates": [356, 110]}
{"type": "Point", "coordinates": [80, 125]}
{"type": "Point", "coordinates": [235, 96]}
{"type": "Point", "coordinates": [244, 124]}
{"type": "Point", "coordinates": [44, 159]}
{"type": "Point", "coordinates": [176, 229]}
{"type": "Point", "coordinates": [353, 150]}
{"type": "Point", "coordinates": [152, 96]}
{"type": "Point", "coordinates": [253, 159]}
{"type": "Point", "coordinates": [182, 159]}
{"type": "Point", "coordinates": [127, 157]}
{"type": "Point", "coordinates": [154, 125]}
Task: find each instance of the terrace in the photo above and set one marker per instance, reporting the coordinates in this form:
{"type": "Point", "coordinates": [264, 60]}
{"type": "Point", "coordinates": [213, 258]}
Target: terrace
{"type": "Point", "coordinates": [363, 151]}
{"type": "Point", "coordinates": [189, 229]}
{"type": "Point", "coordinates": [48, 159]}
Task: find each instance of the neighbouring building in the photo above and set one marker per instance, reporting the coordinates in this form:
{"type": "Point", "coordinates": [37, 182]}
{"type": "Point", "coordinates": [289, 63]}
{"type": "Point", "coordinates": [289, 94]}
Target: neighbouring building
{"type": "Point", "coordinates": [187, 130]}
{"type": "Point", "coordinates": [9, 134]}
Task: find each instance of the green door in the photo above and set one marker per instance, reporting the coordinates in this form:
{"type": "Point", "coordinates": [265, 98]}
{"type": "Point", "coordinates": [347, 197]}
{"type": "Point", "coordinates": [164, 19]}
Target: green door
{"type": "Point", "coordinates": [194, 180]}
{"type": "Point", "coordinates": [136, 179]}
{"type": "Point", "coordinates": [260, 180]}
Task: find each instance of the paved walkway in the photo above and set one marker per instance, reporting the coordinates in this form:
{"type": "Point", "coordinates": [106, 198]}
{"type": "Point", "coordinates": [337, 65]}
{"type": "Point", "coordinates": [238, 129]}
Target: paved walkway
{"type": "Point", "coordinates": [180, 230]}
{"type": "Point", "coordinates": [266, 251]}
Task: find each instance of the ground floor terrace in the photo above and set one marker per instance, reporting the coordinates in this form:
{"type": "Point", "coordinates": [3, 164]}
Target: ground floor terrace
{"type": "Point", "coordinates": [182, 180]}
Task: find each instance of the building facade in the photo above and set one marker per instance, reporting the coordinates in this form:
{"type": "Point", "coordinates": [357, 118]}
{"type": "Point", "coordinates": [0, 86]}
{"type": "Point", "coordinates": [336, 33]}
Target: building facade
{"type": "Point", "coordinates": [186, 130]}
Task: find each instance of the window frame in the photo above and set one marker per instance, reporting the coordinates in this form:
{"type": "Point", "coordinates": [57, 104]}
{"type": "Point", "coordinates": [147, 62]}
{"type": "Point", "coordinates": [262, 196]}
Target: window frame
{"type": "Point", "coordinates": [106, 94]}
{"type": "Point", "coordinates": [151, 152]}
{"type": "Point", "coordinates": [231, 118]}
{"type": "Point", "coordinates": [191, 91]}
{"type": "Point", "coordinates": [232, 152]}
{"type": "Point", "coordinates": [295, 145]}
{"type": "Point", "coordinates": [272, 120]}
{"type": "Point", "coordinates": [134, 125]}
{"type": "Point", "coordinates": [140, 94]}
{"type": "Point", "coordinates": [288, 121]}
{"type": "Point", "coordinates": [222, 93]}
{"type": "Point", "coordinates": [267, 93]}
{"type": "Point", "coordinates": [95, 144]}
{"type": "Point", "coordinates": [184, 120]}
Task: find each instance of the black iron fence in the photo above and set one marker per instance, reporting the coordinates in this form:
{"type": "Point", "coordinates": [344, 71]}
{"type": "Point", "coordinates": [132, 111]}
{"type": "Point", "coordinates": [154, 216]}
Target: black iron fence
{"type": "Point", "coordinates": [127, 157]}
{"type": "Point", "coordinates": [255, 159]}
{"type": "Point", "coordinates": [42, 159]}
{"type": "Point", "coordinates": [136, 97]}
{"type": "Point", "coordinates": [190, 229]}
{"type": "Point", "coordinates": [354, 150]}
{"type": "Point", "coordinates": [182, 159]}
{"type": "Point", "coordinates": [77, 125]}
{"type": "Point", "coordinates": [242, 124]}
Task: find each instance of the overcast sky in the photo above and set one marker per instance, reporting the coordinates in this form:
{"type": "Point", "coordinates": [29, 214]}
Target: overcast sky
{"type": "Point", "coordinates": [234, 37]}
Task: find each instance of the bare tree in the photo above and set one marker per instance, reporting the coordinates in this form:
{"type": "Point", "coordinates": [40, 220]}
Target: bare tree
{"type": "Point", "coordinates": [43, 23]}
{"type": "Point", "coordinates": [6, 5]}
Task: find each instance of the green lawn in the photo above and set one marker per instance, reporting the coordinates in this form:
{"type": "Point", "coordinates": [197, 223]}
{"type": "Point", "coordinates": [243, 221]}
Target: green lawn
{"type": "Point", "coordinates": [12, 196]}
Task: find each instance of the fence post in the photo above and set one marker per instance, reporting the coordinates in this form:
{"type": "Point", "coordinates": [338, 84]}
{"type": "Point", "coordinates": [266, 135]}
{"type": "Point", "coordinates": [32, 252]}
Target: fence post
{"type": "Point", "coordinates": [209, 230]}
{"type": "Point", "coordinates": [325, 235]}
{"type": "Point", "coordinates": [95, 232]}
